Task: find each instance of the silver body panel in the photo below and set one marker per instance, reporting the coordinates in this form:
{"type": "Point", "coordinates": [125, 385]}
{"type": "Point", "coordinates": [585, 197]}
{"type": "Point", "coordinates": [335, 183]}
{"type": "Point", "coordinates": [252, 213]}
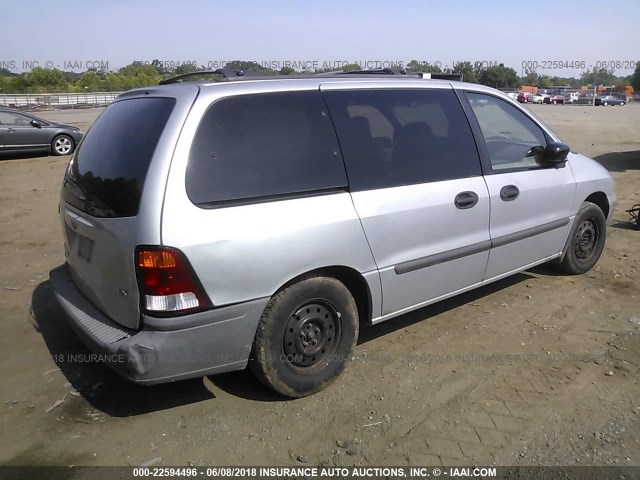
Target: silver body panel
{"type": "Point", "coordinates": [411, 244]}
{"type": "Point", "coordinates": [108, 279]}
{"type": "Point", "coordinates": [591, 177]}
{"type": "Point", "coordinates": [546, 196]}
{"type": "Point", "coordinates": [249, 251]}
{"type": "Point", "coordinates": [408, 223]}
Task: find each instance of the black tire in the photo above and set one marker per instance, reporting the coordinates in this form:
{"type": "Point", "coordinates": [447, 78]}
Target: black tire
{"type": "Point", "coordinates": [62, 145]}
{"type": "Point", "coordinates": [284, 356]}
{"type": "Point", "coordinates": [586, 241]}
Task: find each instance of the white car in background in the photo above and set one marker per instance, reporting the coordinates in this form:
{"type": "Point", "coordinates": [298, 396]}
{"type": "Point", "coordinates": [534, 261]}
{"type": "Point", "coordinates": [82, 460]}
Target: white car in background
{"type": "Point", "coordinates": [538, 98]}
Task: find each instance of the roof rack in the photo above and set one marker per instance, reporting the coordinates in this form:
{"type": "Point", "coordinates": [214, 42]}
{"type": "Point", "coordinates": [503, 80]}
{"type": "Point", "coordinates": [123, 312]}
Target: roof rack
{"type": "Point", "coordinates": [443, 76]}
{"type": "Point", "coordinates": [225, 72]}
{"type": "Point", "coordinates": [233, 74]}
{"type": "Point", "coordinates": [396, 71]}
{"type": "Point", "coordinates": [379, 71]}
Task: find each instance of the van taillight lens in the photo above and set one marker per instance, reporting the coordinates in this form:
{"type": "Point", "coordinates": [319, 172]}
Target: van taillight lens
{"type": "Point", "coordinates": [167, 281]}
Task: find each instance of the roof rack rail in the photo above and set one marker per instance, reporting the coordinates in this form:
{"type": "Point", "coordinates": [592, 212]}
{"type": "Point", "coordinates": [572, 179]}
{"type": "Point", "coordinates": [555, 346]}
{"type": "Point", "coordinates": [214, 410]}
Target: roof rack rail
{"type": "Point", "coordinates": [443, 76]}
{"type": "Point", "coordinates": [225, 72]}
{"type": "Point", "coordinates": [379, 71]}
{"type": "Point", "coordinates": [399, 71]}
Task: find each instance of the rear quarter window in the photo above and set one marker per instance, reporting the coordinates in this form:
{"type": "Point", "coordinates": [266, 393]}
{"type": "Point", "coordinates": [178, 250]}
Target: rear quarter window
{"type": "Point", "coordinates": [262, 145]}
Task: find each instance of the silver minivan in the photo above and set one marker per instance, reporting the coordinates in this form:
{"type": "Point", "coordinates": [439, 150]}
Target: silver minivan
{"type": "Point", "coordinates": [261, 221]}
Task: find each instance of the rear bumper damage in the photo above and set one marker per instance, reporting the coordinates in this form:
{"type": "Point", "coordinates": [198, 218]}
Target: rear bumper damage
{"type": "Point", "coordinates": [166, 349]}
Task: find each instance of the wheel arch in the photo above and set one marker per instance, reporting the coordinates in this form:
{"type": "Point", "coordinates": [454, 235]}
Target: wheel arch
{"type": "Point", "coordinates": [62, 132]}
{"type": "Point", "coordinates": [601, 200]}
{"type": "Point", "coordinates": [351, 278]}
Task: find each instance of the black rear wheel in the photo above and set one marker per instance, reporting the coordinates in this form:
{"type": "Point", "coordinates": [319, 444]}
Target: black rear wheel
{"type": "Point", "coordinates": [305, 337]}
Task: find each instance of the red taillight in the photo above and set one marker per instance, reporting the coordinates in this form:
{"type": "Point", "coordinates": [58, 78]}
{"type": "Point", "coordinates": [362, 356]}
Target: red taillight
{"type": "Point", "coordinates": [167, 282]}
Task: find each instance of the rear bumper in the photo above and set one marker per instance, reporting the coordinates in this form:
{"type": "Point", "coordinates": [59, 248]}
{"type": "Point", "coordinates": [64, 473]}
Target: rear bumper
{"type": "Point", "coordinates": [210, 342]}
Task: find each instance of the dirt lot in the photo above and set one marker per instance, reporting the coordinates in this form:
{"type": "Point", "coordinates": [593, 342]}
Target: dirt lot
{"type": "Point", "coordinates": [537, 369]}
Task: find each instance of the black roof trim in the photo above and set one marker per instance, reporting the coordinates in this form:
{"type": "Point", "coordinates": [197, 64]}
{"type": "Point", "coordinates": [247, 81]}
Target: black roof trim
{"type": "Point", "coordinates": [225, 72]}
{"type": "Point", "coordinates": [395, 71]}
{"type": "Point", "coordinates": [381, 71]}
{"type": "Point", "coordinates": [228, 74]}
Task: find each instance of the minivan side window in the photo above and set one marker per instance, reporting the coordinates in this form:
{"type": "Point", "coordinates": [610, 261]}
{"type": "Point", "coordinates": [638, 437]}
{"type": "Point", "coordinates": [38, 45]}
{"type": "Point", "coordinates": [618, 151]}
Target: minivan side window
{"type": "Point", "coordinates": [509, 134]}
{"type": "Point", "coordinates": [396, 137]}
{"type": "Point", "coordinates": [261, 145]}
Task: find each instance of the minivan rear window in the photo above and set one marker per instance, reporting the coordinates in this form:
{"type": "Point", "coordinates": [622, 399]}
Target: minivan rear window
{"type": "Point", "coordinates": [107, 173]}
{"type": "Point", "coordinates": [264, 145]}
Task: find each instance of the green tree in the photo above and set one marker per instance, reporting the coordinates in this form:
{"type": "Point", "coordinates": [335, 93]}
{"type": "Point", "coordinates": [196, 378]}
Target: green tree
{"type": "Point", "coordinates": [7, 84]}
{"type": "Point", "coordinates": [250, 66]}
{"type": "Point", "coordinates": [422, 67]}
{"type": "Point", "coordinates": [352, 67]}
{"type": "Point", "coordinates": [5, 72]}
{"type": "Point", "coordinates": [634, 79]}
{"type": "Point", "coordinates": [138, 74]}
{"type": "Point", "coordinates": [187, 68]}
{"type": "Point", "coordinates": [90, 81]}
{"type": "Point", "coordinates": [43, 80]}
{"type": "Point", "coordinates": [598, 77]}
{"type": "Point", "coordinates": [498, 76]}
{"type": "Point", "coordinates": [531, 77]}
{"type": "Point", "coordinates": [159, 66]}
{"type": "Point", "coordinates": [468, 71]}
{"type": "Point", "coordinates": [287, 71]}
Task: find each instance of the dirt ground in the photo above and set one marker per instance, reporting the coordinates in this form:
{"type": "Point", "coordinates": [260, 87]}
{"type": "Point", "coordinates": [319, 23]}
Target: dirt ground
{"type": "Point", "coordinates": [538, 369]}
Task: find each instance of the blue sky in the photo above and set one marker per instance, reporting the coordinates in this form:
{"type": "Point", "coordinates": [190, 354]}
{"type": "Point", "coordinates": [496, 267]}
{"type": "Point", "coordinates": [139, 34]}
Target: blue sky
{"type": "Point", "coordinates": [120, 31]}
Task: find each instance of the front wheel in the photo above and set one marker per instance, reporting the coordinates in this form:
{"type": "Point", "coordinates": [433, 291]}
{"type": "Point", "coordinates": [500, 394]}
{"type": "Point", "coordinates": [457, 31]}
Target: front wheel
{"type": "Point", "coordinates": [586, 241]}
{"type": "Point", "coordinates": [62, 145]}
{"type": "Point", "coordinates": [305, 337]}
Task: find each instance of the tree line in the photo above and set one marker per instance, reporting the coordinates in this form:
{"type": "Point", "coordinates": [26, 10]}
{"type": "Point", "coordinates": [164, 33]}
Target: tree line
{"type": "Point", "coordinates": [143, 74]}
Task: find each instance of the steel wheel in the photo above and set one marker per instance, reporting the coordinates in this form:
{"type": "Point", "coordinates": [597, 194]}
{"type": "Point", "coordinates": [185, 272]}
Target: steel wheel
{"type": "Point", "coordinates": [585, 240]}
{"type": "Point", "coordinates": [305, 337]}
{"type": "Point", "coordinates": [311, 334]}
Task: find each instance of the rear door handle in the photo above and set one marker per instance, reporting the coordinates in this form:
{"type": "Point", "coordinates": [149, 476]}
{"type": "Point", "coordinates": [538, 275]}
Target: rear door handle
{"type": "Point", "coordinates": [466, 200]}
{"type": "Point", "coordinates": [509, 193]}
{"type": "Point", "coordinates": [11, 130]}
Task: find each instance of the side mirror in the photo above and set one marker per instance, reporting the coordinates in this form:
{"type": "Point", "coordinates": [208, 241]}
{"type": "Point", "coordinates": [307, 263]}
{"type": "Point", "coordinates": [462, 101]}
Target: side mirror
{"type": "Point", "coordinates": [555, 153]}
{"type": "Point", "coordinates": [36, 123]}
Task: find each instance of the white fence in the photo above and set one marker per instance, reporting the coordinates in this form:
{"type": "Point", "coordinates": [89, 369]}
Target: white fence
{"type": "Point", "coordinates": [56, 101]}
